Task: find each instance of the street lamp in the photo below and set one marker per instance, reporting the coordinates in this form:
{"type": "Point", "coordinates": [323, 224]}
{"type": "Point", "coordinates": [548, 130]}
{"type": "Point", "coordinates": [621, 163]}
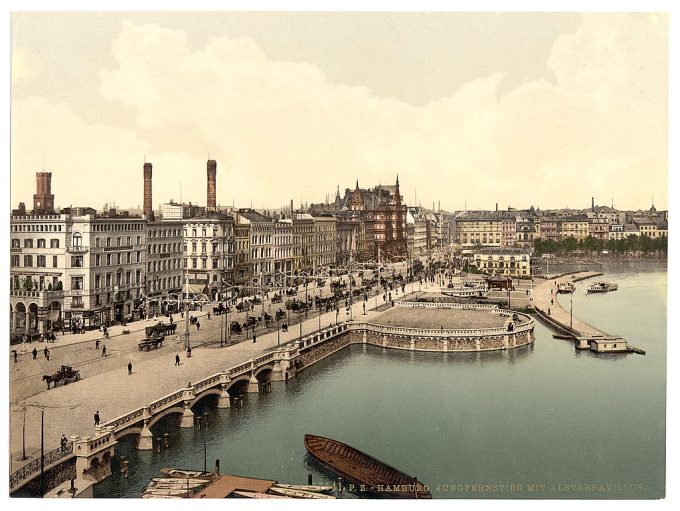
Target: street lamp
{"type": "Point", "coordinates": [187, 345]}
{"type": "Point", "coordinates": [23, 437]}
{"type": "Point", "coordinates": [571, 309]}
{"type": "Point", "coordinates": [42, 451]}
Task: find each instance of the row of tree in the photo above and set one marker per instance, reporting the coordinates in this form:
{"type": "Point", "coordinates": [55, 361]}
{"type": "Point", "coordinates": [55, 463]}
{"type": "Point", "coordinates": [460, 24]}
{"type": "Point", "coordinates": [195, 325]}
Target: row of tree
{"type": "Point", "coordinates": [632, 244]}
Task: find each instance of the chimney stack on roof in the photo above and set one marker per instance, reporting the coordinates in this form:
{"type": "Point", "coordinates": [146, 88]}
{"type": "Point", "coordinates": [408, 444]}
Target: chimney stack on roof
{"type": "Point", "coordinates": [148, 203]}
{"type": "Point", "coordinates": [212, 184]}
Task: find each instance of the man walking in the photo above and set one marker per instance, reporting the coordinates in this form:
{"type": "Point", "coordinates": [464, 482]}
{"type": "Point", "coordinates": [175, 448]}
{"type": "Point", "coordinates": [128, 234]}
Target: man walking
{"type": "Point", "coordinates": [63, 443]}
{"type": "Point", "coordinates": [96, 418]}
{"type": "Point", "coordinates": [198, 325]}
{"type": "Point", "coordinates": [47, 354]}
{"type": "Point", "coordinates": [14, 353]}
{"type": "Point", "coordinates": [129, 368]}
{"type": "Point", "coordinates": [96, 344]}
{"type": "Point", "coordinates": [103, 350]}
{"type": "Point", "coordinates": [177, 359]}
{"type": "Point", "coordinates": [35, 353]}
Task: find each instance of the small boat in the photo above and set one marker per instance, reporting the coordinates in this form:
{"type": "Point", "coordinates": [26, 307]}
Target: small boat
{"type": "Point", "coordinates": [257, 495]}
{"type": "Point", "coordinates": [177, 492]}
{"type": "Point", "coordinates": [181, 480]}
{"type": "Point", "coordinates": [566, 287]}
{"type": "Point", "coordinates": [364, 471]}
{"type": "Point", "coordinates": [178, 472]}
{"type": "Point", "coordinates": [306, 487]}
{"type": "Point", "coordinates": [298, 494]}
{"type": "Point", "coordinates": [174, 486]}
{"type": "Point", "coordinates": [602, 287]}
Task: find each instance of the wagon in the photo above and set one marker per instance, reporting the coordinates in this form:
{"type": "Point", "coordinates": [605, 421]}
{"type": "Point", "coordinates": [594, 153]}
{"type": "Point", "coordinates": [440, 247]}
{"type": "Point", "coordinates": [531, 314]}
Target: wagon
{"type": "Point", "coordinates": [150, 343]}
{"type": "Point", "coordinates": [65, 374]}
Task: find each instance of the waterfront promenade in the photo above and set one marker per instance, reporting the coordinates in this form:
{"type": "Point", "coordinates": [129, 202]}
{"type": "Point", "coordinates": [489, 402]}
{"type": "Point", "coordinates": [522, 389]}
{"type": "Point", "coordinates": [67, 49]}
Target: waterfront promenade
{"type": "Point", "coordinates": [547, 291]}
{"type": "Point", "coordinates": [106, 386]}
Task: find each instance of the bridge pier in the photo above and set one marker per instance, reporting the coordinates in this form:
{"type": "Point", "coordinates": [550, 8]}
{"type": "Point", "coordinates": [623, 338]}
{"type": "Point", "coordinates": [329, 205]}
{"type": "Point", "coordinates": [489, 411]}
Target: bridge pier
{"type": "Point", "coordinates": [145, 438]}
{"type": "Point", "coordinates": [223, 401]}
{"type": "Point", "coordinates": [253, 384]}
{"type": "Point", "coordinates": [187, 420]}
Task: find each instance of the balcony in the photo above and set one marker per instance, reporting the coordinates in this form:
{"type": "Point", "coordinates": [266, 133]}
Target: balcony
{"type": "Point", "coordinates": [77, 249]}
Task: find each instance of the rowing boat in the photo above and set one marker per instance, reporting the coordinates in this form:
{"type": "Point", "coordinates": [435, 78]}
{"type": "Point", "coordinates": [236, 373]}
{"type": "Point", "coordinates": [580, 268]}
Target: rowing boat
{"type": "Point", "coordinates": [178, 472]}
{"type": "Point", "coordinates": [366, 473]}
{"type": "Point", "coordinates": [257, 495]}
{"type": "Point", "coordinates": [298, 494]}
{"type": "Point", "coordinates": [306, 487]}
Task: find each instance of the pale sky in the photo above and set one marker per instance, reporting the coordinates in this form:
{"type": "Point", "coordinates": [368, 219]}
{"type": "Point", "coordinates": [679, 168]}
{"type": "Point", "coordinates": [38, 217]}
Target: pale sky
{"type": "Point", "coordinates": [469, 109]}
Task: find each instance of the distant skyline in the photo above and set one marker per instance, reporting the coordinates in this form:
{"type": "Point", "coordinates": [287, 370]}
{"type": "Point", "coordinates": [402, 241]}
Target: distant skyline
{"type": "Point", "coordinates": [519, 109]}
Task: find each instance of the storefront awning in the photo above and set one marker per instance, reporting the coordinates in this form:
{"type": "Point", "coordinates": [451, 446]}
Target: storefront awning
{"type": "Point", "coordinates": [195, 289]}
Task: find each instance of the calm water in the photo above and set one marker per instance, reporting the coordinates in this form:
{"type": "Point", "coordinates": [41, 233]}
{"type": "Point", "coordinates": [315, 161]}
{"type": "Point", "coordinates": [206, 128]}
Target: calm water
{"type": "Point", "coordinates": [542, 415]}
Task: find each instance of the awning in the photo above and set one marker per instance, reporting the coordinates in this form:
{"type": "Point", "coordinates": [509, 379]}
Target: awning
{"type": "Point", "coordinates": [195, 289]}
{"type": "Point", "coordinates": [53, 315]}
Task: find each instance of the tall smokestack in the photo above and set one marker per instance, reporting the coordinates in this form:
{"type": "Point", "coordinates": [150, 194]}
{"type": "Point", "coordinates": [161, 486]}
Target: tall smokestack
{"type": "Point", "coordinates": [291, 208]}
{"type": "Point", "coordinates": [592, 203]}
{"type": "Point", "coordinates": [43, 200]}
{"type": "Point", "coordinates": [148, 203]}
{"type": "Point", "coordinates": [212, 184]}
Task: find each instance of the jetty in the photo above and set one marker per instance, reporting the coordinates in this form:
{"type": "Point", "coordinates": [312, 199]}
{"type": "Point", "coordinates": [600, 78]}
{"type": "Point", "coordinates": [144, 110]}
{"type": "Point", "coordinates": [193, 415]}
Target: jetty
{"type": "Point", "coordinates": [584, 335]}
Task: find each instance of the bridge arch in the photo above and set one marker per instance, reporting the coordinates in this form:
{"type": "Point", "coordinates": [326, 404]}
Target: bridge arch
{"type": "Point", "coordinates": [215, 391]}
{"type": "Point", "coordinates": [238, 385]}
{"type": "Point", "coordinates": [175, 409]}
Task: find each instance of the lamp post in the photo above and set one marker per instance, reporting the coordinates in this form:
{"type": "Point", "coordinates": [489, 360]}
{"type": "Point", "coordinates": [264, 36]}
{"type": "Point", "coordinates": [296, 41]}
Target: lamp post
{"type": "Point", "coordinates": [187, 345]}
{"type": "Point", "coordinates": [23, 437]}
{"type": "Point", "coordinates": [42, 451]}
{"type": "Point", "coordinates": [571, 309]}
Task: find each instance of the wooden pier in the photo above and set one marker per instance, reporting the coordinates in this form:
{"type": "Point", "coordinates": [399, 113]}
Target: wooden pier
{"type": "Point", "coordinates": [584, 336]}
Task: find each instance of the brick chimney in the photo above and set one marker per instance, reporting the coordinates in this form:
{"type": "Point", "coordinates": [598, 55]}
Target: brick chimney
{"type": "Point", "coordinates": [212, 184]}
{"type": "Point", "coordinates": [148, 203]}
{"type": "Point", "coordinates": [43, 200]}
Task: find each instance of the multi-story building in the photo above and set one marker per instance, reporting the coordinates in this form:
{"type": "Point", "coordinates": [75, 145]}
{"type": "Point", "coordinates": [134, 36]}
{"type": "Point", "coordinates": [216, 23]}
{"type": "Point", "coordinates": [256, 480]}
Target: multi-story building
{"type": "Point", "coordinates": [37, 271]}
{"type": "Point", "coordinates": [598, 228]}
{"type": "Point", "coordinates": [164, 266]}
{"type": "Point", "coordinates": [515, 262]}
{"type": "Point", "coordinates": [574, 227]}
{"type": "Point", "coordinates": [261, 244]}
{"type": "Point", "coordinates": [508, 231]}
{"type": "Point", "coordinates": [303, 235]}
{"type": "Point", "coordinates": [208, 240]}
{"type": "Point", "coordinates": [419, 232]}
{"type": "Point", "coordinates": [478, 230]}
{"type": "Point", "coordinates": [283, 249]}
{"type": "Point", "coordinates": [389, 230]}
{"type": "Point", "coordinates": [242, 268]}
{"type": "Point", "coordinates": [347, 232]}
{"type": "Point", "coordinates": [324, 241]}
{"type": "Point", "coordinates": [648, 228]}
{"type": "Point", "coordinates": [526, 232]}
{"type": "Point", "coordinates": [549, 229]}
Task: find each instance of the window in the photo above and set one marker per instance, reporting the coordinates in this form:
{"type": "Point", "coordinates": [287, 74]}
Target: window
{"type": "Point", "coordinates": [28, 243]}
{"type": "Point", "coordinates": [193, 262]}
{"type": "Point", "coordinates": [139, 240]}
{"type": "Point", "coordinates": [96, 244]}
{"type": "Point", "coordinates": [108, 259]}
{"type": "Point", "coordinates": [97, 260]}
{"type": "Point", "coordinates": [77, 240]}
{"type": "Point", "coordinates": [118, 258]}
{"type": "Point", "coordinates": [128, 257]}
{"type": "Point", "coordinates": [97, 281]}
{"type": "Point", "coordinates": [28, 260]}
{"type": "Point", "coordinates": [108, 280]}
{"type": "Point", "coordinates": [15, 260]}
{"type": "Point", "coordinates": [139, 256]}
{"type": "Point", "coordinates": [76, 261]}
{"type": "Point", "coordinates": [129, 240]}
{"type": "Point", "coordinates": [16, 243]}
{"type": "Point", "coordinates": [41, 243]}
{"type": "Point", "coordinates": [138, 276]}
{"type": "Point", "coordinates": [203, 233]}
{"type": "Point", "coordinates": [203, 264]}
{"type": "Point", "coordinates": [54, 261]}
{"type": "Point", "coordinates": [76, 283]}
{"type": "Point", "coordinates": [108, 242]}
{"type": "Point", "coordinates": [203, 247]}
{"type": "Point", "coordinates": [127, 276]}
{"type": "Point", "coordinates": [215, 264]}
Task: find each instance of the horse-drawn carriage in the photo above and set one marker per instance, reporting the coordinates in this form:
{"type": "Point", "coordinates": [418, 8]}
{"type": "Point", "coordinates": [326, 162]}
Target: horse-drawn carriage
{"type": "Point", "coordinates": [235, 327]}
{"type": "Point", "coordinates": [65, 374]}
{"type": "Point", "coordinates": [291, 291]}
{"type": "Point", "coordinates": [151, 343]}
{"type": "Point", "coordinates": [279, 315]}
{"type": "Point", "coordinates": [160, 329]}
{"type": "Point", "coordinates": [277, 298]}
{"type": "Point", "coordinates": [220, 309]}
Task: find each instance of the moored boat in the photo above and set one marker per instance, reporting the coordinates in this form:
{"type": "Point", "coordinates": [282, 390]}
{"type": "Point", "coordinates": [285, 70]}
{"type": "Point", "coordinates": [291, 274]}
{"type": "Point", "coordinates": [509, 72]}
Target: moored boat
{"type": "Point", "coordinates": [566, 287]}
{"type": "Point", "coordinates": [365, 472]}
{"type": "Point", "coordinates": [257, 495]}
{"type": "Point", "coordinates": [178, 472]}
{"type": "Point", "coordinates": [298, 494]}
{"type": "Point", "coordinates": [306, 487]}
{"type": "Point", "coordinates": [602, 287]}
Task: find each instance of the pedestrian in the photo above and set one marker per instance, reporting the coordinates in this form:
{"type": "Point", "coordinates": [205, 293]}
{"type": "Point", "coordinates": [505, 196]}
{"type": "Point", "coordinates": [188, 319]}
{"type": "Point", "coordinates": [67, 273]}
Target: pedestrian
{"type": "Point", "coordinates": [552, 302]}
{"type": "Point", "coordinates": [254, 338]}
{"type": "Point", "coordinates": [177, 338]}
{"type": "Point", "coordinates": [96, 418]}
{"type": "Point", "coordinates": [548, 311]}
{"type": "Point", "coordinates": [14, 352]}
{"type": "Point", "coordinates": [177, 359]}
{"type": "Point", "coordinates": [63, 442]}
{"type": "Point", "coordinates": [35, 353]}
{"type": "Point", "coordinates": [129, 368]}
{"type": "Point", "coordinates": [181, 315]}
{"type": "Point", "coordinates": [198, 325]}
{"type": "Point", "coordinates": [208, 315]}
{"type": "Point", "coordinates": [46, 352]}
{"type": "Point", "coordinates": [103, 350]}
{"type": "Point", "coordinates": [96, 344]}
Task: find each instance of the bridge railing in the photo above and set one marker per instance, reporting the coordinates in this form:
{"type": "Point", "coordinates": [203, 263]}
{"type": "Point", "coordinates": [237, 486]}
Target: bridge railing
{"type": "Point", "coordinates": [206, 382]}
{"type": "Point", "coordinates": [447, 305]}
{"type": "Point", "coordinates": [170, 398]}
{"type": "Point", "coordinates": [34, 466]}
{"type": "Point", "coordinates": [124, 419]}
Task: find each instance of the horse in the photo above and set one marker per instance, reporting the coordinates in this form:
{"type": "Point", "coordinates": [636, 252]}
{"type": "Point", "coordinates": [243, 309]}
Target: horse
{"type": "Point", "coordinates": [52, 378]}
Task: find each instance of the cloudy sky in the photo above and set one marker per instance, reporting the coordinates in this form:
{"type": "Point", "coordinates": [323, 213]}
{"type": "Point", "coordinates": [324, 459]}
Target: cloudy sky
{"type": "Point", "coordinates": [469, 109]}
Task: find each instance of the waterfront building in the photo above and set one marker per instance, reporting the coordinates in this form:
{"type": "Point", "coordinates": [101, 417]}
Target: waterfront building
{"type": "Point", "coordinates": [648, 228]}
{"type": "Point", "coordinates": [261, 244]}
{"type": "Point", "coordinates": [242, 268]}
{"type": "Point", "coordinates": [164, 266]}
{"type": "Point", "coordinates": [324, 247]}
{"type": "Point", "coordinates": [348, 235]}
{"type": "Point", "coordinates": [515, 262]}
{"type": "Point", "coordinates": [526, 232]}
{"type": "Point", "coordinates": [574, 227]}
{"type": "Point", "coordinates": [598, 228]}
{"type": "Point", "coordinates": [283, 249]}
{"type": "Point", "coordinates": [478, 229]}
{"type": "Point", "coordinates": [548, 229]}
{"type": "Point", "coordinates": [208, 246]}
{"type": "Point", "coordinates": [303, 234]}
{"type": "Point", "coordinates": [509, 231]}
